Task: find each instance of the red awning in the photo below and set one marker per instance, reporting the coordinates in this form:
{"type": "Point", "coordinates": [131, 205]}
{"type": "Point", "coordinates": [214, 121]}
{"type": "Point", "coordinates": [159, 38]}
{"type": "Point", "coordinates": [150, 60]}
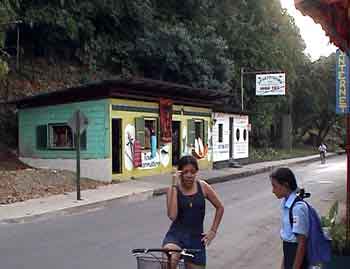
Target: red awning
{"type": "Point", "coordinates": [333, 16]}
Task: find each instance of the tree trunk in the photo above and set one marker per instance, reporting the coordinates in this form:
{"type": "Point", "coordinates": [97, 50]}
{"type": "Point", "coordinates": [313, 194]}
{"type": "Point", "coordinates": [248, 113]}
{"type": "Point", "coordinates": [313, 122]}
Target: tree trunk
{"type": "Point", "coordinates": [286, 138]}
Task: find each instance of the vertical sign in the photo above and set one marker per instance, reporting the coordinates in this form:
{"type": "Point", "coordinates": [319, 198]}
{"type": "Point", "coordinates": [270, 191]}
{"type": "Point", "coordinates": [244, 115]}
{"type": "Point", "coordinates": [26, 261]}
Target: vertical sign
{"type": "Point", "coordinates": [342, 83]}
{"type": "Point", "coordinates": [165, 111]}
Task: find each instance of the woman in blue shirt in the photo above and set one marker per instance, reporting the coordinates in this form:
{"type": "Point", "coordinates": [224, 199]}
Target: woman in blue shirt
{"type": "Point", "coordinates": [294, 235]}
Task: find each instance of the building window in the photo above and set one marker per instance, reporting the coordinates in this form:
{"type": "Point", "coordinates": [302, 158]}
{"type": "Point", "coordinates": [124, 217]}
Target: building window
{"type": "Point", "coordinates": [198, 127]}
{"type": "Point", "coordinates": [147, 132]}
{"type": "Point", "coordinates": [150, 132]}
{"type": "Point", "coordinates": [60, 136]}
{"type": "Point", "coordinates": [197, 130]}
{"type": "Point", "coordinates": [221, 132]}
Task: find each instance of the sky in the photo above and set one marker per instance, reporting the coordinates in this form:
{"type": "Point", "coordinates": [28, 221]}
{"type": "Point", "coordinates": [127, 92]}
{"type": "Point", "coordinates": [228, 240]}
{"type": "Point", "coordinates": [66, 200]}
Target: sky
{"type": "Point", "coordinates": [317, 43]}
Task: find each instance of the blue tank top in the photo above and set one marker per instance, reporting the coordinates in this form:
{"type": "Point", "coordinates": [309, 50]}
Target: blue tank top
{"type": "Point", "coordinates": [190, 213]}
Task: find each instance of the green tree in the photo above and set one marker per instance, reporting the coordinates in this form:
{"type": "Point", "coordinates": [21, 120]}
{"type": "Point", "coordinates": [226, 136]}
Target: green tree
{"type": "Point", "coordinates": [6, 14]}
{"type": "Point", "coordinates": [202, 43]}
{"type": "Point", "coordinates": [314, 104]}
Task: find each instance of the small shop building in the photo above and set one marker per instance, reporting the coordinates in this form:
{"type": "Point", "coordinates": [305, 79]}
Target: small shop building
{"type": "Point", "coordinates": [135, 127]}
{"type": "Point", "coordinates": [230, 136]}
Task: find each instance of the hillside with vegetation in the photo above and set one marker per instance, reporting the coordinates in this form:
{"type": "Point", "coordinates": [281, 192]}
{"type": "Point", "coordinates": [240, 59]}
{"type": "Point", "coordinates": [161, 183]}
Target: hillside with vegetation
{"type": "Point", "coordinates": [202, 43]}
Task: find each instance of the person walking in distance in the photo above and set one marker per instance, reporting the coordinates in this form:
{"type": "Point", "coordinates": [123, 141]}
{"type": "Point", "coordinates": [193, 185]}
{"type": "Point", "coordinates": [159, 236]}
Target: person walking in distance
{"type": "Point", "coordinates": [186, 208]}
{"type": "Point", "coordinates": [323, 150]}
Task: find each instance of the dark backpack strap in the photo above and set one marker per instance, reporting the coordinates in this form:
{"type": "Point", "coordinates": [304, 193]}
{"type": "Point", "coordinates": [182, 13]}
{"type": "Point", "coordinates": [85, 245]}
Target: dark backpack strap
{"type": "Point", "coordinates": [297, 199]}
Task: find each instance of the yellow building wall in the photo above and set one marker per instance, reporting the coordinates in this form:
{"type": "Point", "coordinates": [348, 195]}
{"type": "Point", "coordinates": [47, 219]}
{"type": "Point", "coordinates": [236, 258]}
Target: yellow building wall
{"type": "Point", "coordinates": [152, 108]}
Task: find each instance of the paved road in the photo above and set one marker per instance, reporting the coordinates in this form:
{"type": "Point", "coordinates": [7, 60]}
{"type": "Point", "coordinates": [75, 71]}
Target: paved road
{"type": "Point", "coordinates": [101, 238]}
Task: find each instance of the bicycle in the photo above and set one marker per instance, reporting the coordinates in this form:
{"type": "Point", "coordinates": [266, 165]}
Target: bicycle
{"type": "Point", "coordinates": [153, 258]}
{"type": "Point", "coordinates": [323, 157]}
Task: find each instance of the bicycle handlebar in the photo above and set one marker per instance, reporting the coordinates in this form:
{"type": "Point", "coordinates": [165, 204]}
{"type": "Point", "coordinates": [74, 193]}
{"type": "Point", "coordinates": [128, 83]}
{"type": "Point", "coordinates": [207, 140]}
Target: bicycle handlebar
{"type": "Point", "coordinates": [183, 252]}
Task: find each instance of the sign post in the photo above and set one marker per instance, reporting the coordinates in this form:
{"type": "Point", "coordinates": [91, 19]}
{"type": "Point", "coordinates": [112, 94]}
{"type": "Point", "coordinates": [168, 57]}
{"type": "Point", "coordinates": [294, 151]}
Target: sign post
{"type": "Point", "coordinates": [267, 83]}
{"type": "Point", "coordinates": [270, 84]}
{"type": "Point", "coordinates": [342, 107]}
{"type": "Point", "coordinates": [78, 123]}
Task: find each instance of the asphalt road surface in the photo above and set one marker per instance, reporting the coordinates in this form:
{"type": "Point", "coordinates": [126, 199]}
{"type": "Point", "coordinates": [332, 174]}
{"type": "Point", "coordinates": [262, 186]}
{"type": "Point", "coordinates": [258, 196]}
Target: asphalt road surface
{"type": "Point", "coordinates": [101, 238]}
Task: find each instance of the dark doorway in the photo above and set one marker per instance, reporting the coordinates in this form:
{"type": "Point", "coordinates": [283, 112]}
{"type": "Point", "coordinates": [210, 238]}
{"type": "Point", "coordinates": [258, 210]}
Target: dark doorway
{"type": "Point", "coordinates": [176, 141]}
{"type": "Point", "coordinates": [231, 138]}
{"type": "Point", "coordinates": [116, 146]}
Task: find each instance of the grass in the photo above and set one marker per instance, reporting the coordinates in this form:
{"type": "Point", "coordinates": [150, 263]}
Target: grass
{"type": "Point", "coordinates": [273, 154]}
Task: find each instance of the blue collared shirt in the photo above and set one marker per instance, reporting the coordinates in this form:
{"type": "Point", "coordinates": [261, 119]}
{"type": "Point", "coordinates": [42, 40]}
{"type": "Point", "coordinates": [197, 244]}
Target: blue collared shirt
{"type": "Point", "coordinates": [300, 219]}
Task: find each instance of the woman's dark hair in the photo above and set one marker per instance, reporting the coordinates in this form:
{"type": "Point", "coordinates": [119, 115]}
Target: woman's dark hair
{"type": "Point", "coordinates": [185, 160]}
{"type": "Point", "coordinates": [285, 176]}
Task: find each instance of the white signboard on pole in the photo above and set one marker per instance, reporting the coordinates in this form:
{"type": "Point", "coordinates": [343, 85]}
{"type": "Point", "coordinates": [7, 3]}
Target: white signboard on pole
{"type": "Point", "coordinates": [271, 84]}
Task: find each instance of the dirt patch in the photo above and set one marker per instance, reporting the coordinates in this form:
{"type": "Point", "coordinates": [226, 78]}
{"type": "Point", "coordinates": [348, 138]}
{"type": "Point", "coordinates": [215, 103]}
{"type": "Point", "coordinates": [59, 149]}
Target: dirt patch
{"type": "Point", "coordinates": [9, 161]}
{"type": "Point", "coordinates": [19, 182]}
{"type": "Point", "coordinates": [24, 184]}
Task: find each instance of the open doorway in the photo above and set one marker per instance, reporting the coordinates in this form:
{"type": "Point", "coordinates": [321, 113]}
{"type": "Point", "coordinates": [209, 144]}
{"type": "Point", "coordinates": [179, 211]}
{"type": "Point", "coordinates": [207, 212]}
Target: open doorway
{"type": "Point", "coordinates": [116, 146]}
{"type": "Point", "coordinates": [176, 142]}
{"type": "Point", "coordinates": [231, 138]}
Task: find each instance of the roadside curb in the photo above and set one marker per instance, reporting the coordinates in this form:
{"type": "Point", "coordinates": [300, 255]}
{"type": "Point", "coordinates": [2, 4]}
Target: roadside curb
{"type": "Point", "coordinates": [75, 210]}
{"type": "Point", "coordinates": [230, 177]}
{"type": "Point", "coordinates": [146, 195]}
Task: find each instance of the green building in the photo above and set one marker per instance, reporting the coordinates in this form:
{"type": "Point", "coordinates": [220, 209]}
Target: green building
{"type": "Point", "coordinates": [136, 127]}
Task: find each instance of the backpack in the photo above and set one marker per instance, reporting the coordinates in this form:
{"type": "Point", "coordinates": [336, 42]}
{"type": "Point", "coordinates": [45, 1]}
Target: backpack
{"type": "Point", "coordinates": [318, 248]}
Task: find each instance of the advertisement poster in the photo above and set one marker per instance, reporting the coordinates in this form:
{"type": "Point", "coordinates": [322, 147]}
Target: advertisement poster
{"type": "Point", "coordinates": [271, 84]}
{"type": "Point", "coordinates": [165, 110]}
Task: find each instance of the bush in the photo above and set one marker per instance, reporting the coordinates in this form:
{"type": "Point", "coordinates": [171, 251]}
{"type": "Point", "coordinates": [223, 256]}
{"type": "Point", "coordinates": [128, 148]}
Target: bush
{"type": "Point", "coordinates": [337, 231]}
{"type": "Point", "coordinates": [8, 128]}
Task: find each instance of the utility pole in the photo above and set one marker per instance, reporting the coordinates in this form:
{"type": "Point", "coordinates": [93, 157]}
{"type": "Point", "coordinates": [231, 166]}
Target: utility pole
{"type": "Point", "coordinates": [17, 56]}
{"type": "Point", "coordinates": [242, 89]}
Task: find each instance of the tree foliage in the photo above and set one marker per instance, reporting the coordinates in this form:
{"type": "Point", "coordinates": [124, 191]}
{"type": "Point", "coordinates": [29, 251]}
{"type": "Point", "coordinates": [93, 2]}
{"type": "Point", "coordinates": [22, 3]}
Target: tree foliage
{"type": "Point", "coordinates": [201, 43]}
{"type": "Point", "coordinates": [6, 14]}
{"type": "Point", "coordinates": [315, 98]}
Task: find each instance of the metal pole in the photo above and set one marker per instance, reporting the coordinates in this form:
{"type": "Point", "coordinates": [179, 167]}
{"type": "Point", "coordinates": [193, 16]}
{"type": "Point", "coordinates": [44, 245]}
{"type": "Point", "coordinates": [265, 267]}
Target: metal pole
{"type": "Point", "coordinates": [78, 154]}
{"type": "Point", "coordinates": [17, 58]}
{"type": "Point", "coordinates": [242, 89]}
{"type": "Point", "coordinates": [348, 180]}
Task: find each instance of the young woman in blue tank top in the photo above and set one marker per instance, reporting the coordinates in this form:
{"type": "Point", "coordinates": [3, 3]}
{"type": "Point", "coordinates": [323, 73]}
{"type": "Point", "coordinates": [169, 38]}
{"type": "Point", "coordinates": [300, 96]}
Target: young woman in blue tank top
{"type": "Point", "coordinates": [186, 208]}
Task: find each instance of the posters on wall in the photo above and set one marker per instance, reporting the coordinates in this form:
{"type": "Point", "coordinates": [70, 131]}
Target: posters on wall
{"type": "Point", "coordinates": [165, 155]}
{"type": "Point", "coordinates": [129, 135]}
{"type": "Point", "coordinates": [149, 161]}
{"type": "Point", "coordinates": [135, 157]}
{"type": "Point", "coordinates": [240, 137]}
{"type": "Point", "coordinates": [165, 111]}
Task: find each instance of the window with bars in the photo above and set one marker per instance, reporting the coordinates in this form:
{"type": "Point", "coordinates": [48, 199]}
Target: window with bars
{"type": "Point", "coordinates": [58, 136]}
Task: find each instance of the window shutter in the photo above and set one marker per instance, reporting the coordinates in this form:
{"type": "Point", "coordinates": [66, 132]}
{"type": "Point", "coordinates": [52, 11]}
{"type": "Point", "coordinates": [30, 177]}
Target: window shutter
{"type": "Point", "coordinates": [191, 132]}
{"type": "Point", "coordinates": [83, 141]}
{"type": "Point", "coordinates": [205, 133]}
{"type": "Point", "coordinates": [41, 137]}
{"type": "Point", "coordinates": [140, 130]}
